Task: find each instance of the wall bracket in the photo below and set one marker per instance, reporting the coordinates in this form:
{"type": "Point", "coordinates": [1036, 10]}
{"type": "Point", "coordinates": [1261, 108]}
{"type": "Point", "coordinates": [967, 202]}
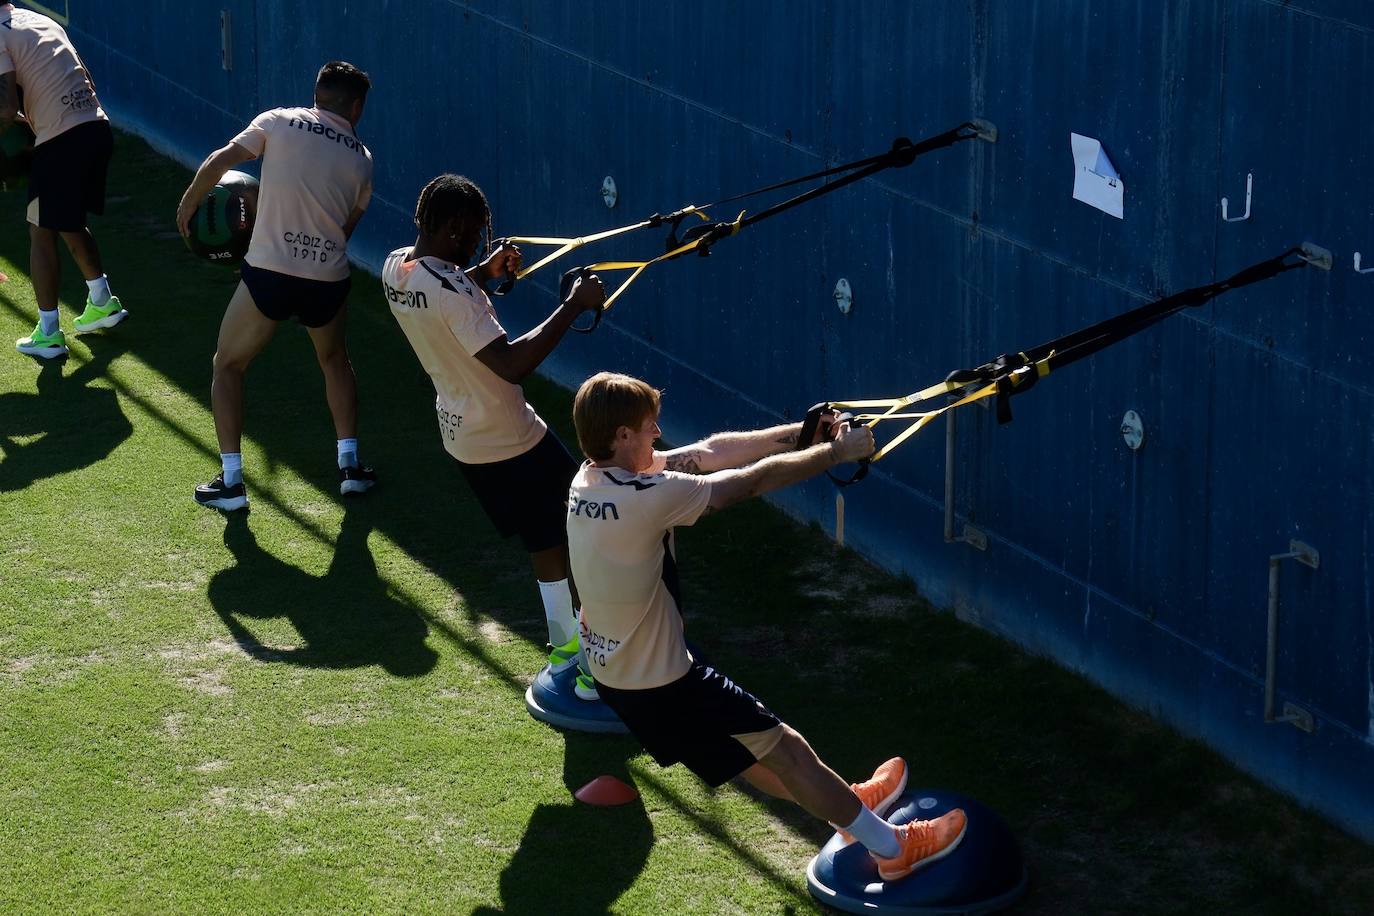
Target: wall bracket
{"type": "Point", "coordinates": [970, 535]}
{"type": "Point", "coordinates": [1292, 714]}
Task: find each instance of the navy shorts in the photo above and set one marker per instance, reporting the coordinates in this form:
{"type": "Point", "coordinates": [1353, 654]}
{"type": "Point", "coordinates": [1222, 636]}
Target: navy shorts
{"type": "Point", "coordinates": [694, 720]}
{"type": "Point", "coordinates": [527, 495]}
{"type": "Point", "coordinates": [282, 296]}
{"type": "Point", "coordinates": [67, 179]}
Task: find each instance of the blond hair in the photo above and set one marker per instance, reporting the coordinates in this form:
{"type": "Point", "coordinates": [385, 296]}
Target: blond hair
{"type": "Point", "coordinates": [606, 402]}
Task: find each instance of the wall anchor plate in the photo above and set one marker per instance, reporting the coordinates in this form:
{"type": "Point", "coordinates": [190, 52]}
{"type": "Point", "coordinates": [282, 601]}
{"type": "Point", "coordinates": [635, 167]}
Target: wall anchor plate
{"type": "Point", "coordinates": [1133, 430]}
{"type": "Point", "coordinates": [844, 296]}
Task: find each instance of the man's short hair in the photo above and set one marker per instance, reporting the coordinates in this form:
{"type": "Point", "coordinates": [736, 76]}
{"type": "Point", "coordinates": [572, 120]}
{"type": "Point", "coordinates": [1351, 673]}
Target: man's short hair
{"type": "Point", "coordinates": [340, 83]}
{"type": "Point", "coordinates": [606, 402]}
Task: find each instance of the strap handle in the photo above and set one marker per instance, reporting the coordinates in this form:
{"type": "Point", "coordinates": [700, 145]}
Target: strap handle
{"type": "Point", "coordinates": [565, 285]}
{"type": "Point", "coordinates": [811, 431]}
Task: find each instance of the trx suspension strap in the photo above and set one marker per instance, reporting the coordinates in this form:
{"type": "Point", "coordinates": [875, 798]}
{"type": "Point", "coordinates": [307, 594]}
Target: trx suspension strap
{"type": "Point", "coordinates": [1011, 374]}
{"type": "Point", "coordinates": [700, 238]}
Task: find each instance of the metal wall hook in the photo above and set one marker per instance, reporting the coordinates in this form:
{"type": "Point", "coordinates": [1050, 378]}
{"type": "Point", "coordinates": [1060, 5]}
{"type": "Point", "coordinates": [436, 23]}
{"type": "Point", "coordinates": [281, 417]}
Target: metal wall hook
{"type": "Point", "coordinates": [1249, 186]}
{"type": "Point", "coordinates": [1367, 270]}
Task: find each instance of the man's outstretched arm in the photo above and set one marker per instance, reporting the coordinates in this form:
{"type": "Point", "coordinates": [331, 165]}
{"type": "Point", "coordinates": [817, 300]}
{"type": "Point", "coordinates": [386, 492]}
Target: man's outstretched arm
{"type": "Point", "coordinates": [723, 451]}
{"type": "Point", "coordinates": [777, 471]}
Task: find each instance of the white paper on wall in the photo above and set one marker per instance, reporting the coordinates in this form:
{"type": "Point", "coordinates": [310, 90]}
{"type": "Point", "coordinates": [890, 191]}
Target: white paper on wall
{"type": "Point", "coordinates": [1095, 180]}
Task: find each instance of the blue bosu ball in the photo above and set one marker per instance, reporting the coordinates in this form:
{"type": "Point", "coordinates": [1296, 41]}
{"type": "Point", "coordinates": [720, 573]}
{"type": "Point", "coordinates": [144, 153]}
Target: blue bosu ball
{"type": "Point", "coordinates": [984, 873]}
{"type": "Point", "coordinates": [551, 699]}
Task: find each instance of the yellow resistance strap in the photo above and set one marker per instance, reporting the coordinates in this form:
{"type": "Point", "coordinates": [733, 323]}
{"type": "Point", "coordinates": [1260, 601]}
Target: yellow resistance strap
{"type": "Point", "coordinates": [566, 245]}
{"type": "Point", "coordinates": [921, 418]}
{"type": "Point", "coordinates": [638, 267]}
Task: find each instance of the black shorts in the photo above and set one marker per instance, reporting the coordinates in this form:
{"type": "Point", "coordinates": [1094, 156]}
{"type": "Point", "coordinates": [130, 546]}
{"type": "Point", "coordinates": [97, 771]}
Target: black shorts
{"type": "Point", "coordinates": [528, 494]}
{"type": "Point", "coordinates": [67, 179]}
{"type": "Point", "coordinates": [694, 721]}
{"type": "Point", "coordinates": [282, 296]}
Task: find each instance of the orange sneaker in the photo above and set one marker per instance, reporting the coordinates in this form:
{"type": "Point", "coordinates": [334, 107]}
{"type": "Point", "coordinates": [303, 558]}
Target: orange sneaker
{"type": "Point", "coordinates": [881, 790]}
{"type": "Point", "coordinates": [923, 842]}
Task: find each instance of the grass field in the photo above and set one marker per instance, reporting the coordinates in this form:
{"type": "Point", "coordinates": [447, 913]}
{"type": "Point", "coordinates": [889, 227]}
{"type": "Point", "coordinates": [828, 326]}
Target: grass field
{"type": "Point", "coordinates": [318, 707]}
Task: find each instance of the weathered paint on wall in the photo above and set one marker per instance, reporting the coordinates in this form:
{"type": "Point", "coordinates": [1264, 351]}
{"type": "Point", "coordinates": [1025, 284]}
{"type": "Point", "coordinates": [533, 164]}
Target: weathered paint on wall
{"type": "Point", "coordinates": [1144, 570]}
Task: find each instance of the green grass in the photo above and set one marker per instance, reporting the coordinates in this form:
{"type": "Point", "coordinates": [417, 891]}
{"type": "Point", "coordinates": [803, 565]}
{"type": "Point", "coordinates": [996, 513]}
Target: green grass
{"type": "Point", "coordinates": [313, 709]}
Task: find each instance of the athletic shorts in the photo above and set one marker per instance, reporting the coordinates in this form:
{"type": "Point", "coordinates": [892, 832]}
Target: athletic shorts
{"type": "Point", "coordinates": [703, 720]}
{"type": "Point", "coordinates": [67, 179]}
{"type": "Point", "coordinates": [528, 494]}
{"type": "Point", "coordinates": [282, 296]}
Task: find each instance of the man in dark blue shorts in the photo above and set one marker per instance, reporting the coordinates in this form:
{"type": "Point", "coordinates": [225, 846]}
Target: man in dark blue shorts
{"type": "Point", "coordinates": [518, 468]}
{"type": "Point", "coordinates": [316, 183]}
{"type": "Point", "coordinates": [622, 509]}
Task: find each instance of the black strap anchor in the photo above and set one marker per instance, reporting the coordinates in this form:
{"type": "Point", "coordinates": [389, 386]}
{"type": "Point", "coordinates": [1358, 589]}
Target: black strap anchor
{"type": "Point", "coordinates": [1013, 374]}
{"type": "Point", "coordinates": [700, 238]}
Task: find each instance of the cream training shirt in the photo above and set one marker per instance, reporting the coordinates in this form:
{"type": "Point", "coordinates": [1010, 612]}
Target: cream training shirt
{"type": "Point", "coordinates": [448, 319]}
{"type": "Point", "coordinates": [620, 541]}
{"type": "Point", "coordinates": [315, 171]}
{"type": "Point", "coordinates": [58, 92]}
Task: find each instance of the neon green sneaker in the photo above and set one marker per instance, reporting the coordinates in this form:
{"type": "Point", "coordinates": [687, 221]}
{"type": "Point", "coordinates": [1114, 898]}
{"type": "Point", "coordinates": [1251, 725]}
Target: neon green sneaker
{"type": "Point", "coordinates": [43, 345]}
{"type": "Point", "coordinates": [585, 687]}
{"type": "Point", "coordinates": [99, 316]}
{"type": "Point", "coordinates": [563, 657]}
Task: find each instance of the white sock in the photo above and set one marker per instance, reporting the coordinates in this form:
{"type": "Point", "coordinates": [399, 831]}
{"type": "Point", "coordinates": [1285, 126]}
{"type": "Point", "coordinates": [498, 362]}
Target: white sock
{"type": "Point", "coordinates": [48, 321]}
{"type": "Point", "coordinates": [348, 453]}
{"type": "Point", "coordinates": [233, 467]}
{"type": "Point", "coordinates": [100, 290]}
{"type": "Point", "coordinates": [877, 835]}
{"type": "Point", "coordinates": [558, 611]}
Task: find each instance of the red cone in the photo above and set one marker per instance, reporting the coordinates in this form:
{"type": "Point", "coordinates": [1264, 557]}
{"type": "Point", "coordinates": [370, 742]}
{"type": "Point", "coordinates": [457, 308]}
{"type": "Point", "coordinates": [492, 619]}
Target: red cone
{"type": "Point", "coordinates": [606, 791]}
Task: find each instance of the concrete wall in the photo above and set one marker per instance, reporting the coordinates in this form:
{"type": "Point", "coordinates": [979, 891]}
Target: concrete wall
{"type": "Point", "coordinates": [1145, 570]}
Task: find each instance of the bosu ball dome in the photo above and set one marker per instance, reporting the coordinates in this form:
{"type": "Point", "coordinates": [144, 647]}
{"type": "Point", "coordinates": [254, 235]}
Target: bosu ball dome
{"type": "Point", "coordinates": [551, 699]}
{"type": "Point", "coordinates": [983, 874]}
{"type": "Point", "coordinates": [222, 225]}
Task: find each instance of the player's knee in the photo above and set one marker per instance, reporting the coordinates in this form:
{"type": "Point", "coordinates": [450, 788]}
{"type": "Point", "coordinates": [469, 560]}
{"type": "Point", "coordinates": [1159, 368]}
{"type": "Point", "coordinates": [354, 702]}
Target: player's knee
{"type": "Point", "coordinates": [789, 753]}
{"type": "Point", "coordinates": [228, 364]}
{"type": "Point", "coordinates": [334, 359]}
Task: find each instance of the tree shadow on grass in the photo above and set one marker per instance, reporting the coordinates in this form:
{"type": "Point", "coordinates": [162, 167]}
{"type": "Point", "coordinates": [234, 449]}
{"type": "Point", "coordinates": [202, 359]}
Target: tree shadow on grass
{"type": "Point", "coordinates": [590, 855]}
{"type": "Point", "coordinates": [345, 618]}
{"type": "Point", "coordinates": [65, 426]}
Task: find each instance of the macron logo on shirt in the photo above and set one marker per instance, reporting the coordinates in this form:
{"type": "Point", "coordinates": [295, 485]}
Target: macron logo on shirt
{"type": "Point", "coordinates": [329, 133]}
{"type": "Point", "coordinates": [412, 298]}
{"type": "Point", "coordinates": [588, 509]}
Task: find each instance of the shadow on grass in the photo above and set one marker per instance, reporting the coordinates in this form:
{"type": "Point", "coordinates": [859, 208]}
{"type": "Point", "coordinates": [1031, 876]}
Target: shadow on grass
{"type": "Point", "coordinates": [576, 858]}
{"type": "Point", "coordinates": [65, 426]}
{"type": "Point", "coordinates": [345, 618]}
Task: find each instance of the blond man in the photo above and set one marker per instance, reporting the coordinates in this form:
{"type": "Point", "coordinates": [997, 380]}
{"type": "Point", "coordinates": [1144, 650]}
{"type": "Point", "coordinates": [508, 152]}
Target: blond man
{"type": "Point", "coordinates": [623, 506]}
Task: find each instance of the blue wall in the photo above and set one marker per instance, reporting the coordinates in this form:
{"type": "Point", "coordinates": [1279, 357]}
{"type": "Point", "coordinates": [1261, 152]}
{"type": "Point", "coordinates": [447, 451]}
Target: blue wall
{"type": "Point", "coordinates": [1144, 570]}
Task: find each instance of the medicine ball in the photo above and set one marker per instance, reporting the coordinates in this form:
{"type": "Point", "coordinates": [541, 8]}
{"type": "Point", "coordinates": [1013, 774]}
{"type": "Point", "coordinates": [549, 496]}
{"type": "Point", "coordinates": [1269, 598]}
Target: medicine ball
{"type": "Point", "coordinates": [222, 225]}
